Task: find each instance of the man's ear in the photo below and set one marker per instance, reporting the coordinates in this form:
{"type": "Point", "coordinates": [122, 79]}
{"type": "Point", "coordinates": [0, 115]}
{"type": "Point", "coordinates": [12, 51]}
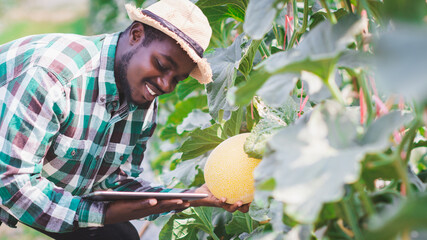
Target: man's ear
{"type": "Point", "coordinates": [136, 33]}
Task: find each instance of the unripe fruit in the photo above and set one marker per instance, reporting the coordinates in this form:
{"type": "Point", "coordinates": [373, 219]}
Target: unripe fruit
{"type": "Point", "coordinates": [229, 171]}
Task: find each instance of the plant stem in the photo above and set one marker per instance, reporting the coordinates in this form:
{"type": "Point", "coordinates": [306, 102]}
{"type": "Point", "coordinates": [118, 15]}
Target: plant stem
{"type": "Point", "coordinates": [367, 203]}
{"type": "Point", "coordinates": [367, 96]}
{"type": "Point", "coordinates": [352, 219]}
{"type": "Point", "coordinates": [331, 16]}
{"type": "Point", "coordinates": [301, 29]}
{"type": "Point", "coordinates": [348, 5]}
{"type": "Point", "coordinates": [333, 88]}
{"type": "Point", "coordinates": [402, 172]}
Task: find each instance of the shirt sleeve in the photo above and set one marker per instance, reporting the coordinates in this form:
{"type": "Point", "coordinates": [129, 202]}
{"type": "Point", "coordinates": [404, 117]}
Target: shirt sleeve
{"type": "Point", "coordinates": [31, 108]}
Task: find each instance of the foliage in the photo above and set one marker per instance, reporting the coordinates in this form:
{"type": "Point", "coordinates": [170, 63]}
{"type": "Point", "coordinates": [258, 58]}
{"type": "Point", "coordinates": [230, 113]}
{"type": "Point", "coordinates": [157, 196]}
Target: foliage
{"type": "Point", "coordinates": [334, 97]}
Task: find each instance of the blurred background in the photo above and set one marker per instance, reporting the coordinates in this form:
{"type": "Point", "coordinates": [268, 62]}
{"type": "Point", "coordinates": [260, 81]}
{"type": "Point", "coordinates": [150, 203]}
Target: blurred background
{"type": "Point", "coordinates": [19, 18]}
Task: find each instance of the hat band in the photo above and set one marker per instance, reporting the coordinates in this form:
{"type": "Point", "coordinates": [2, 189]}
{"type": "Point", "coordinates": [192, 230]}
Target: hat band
{"type": "Point", "coordinates": [197, 48]}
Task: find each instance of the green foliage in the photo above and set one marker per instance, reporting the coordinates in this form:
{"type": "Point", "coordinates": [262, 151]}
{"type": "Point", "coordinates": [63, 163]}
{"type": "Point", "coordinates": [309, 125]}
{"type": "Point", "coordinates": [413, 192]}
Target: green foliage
{"type": "Point", "coordinates": [335, 103]}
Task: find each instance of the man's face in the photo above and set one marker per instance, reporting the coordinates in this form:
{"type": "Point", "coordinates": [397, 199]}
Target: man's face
{"type": "Point", "coordinates": [146, 72]}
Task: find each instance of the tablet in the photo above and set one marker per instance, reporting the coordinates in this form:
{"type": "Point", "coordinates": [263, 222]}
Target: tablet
{"type": "Point", "coordinates": [115, 195]}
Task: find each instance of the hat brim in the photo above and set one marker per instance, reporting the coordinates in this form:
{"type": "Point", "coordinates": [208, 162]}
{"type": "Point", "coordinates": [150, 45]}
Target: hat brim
{"type": "Point", "coordinates": [202, 72]}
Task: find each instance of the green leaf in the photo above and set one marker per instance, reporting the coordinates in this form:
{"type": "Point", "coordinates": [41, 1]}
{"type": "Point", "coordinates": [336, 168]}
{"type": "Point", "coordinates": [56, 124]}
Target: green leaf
{"type": "Point", "coordinates": [259, 17]}
{"type": "Point", "coordinates": [242, 4]}
{"type": "Point", "coordinates": [196, 119]}
{"type": "Point", "coordinates": [401, 62]}
{"type": "Point", "coordinates": [240, 223]}
{"type": "Point", "coordinates": [224, 63]}
{"type": "Point", "coordinates": [312, 160]}
{"type": "Point", "coordinates": [233, 125]}
{"type": "Point", "coordinates": [256, 142]}
{"type": "Point", "coordinates": [187, 224]}
{"type": "Point", "coordinates": [185, 172]}
{"type": "Point", "coordinates": [412, 214]}
{"type": "Point", "coordinates": [247, 60]}
{"type": "Point", "coordinates": [183, 108]}
{"type": "Point", "coordinates": [244, 93]}
{"type": "Point", "coordinates": [186, 87]}
{"type": "Point", "coordinates": [201, 141]}
{"type": "Point", "coordinates": [406, 11]}
{"type": "Point", "coordinates": [317, 53]}
{"type": "Point", "coordinates": [276, 91]}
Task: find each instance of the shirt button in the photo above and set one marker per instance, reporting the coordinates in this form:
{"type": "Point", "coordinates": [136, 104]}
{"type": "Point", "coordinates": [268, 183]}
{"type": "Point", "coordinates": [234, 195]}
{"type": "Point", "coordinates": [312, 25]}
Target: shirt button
{"type": "Point", "coordinates": [102, 99]}
{"type": "Point", "coordinates": [122, 157]}
{"type": "Point", "coordinates": [114, 104]}
{"type": "Point", "coordinates": [97, 157]}
{"type": "Point", "coordinates": [73, 153]}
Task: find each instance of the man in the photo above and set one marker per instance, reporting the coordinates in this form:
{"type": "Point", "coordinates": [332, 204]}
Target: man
{"type": "Point", "coordinates": [75, 115]}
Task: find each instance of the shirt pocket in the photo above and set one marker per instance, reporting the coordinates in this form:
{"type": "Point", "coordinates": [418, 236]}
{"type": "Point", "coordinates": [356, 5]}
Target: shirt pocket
{"type": "Point", "coordinates": [117, 153]}
{"type": "Point", "coordinates": [71, 149]}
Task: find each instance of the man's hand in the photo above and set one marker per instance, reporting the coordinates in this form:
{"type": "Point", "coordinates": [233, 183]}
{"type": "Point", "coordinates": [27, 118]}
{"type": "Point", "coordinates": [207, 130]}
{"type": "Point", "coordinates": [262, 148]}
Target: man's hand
{"type": "Point", "coordinates": [125, 210]}
{"type": "Point", "coordinates": [212, 201]}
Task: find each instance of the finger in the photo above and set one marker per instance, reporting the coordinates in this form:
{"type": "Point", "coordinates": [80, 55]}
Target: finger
{"type": "Point", "coordinates": [223, 199]}
{"type": "Point", "coordinates": [244, 208]}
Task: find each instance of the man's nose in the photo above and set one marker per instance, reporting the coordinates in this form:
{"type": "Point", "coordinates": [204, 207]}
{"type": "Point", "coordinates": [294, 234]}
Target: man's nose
{"type": "Point", "coordinates": [165, 83]}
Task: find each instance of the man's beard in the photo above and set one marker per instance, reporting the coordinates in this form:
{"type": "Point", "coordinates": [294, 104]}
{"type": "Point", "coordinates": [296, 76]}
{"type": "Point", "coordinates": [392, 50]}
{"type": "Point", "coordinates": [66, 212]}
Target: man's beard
{"type": "Point", "coordinates": [121, 78]}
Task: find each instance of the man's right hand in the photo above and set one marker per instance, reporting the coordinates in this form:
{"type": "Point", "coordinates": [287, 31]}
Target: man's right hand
{"type": "Point", "coordinates": [125, 210]}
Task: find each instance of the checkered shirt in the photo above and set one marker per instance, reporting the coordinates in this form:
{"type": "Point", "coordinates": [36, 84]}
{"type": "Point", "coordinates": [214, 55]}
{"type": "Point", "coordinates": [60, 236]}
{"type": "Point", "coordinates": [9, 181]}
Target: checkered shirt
{"type": "Point", "coordinates": [64, 133]}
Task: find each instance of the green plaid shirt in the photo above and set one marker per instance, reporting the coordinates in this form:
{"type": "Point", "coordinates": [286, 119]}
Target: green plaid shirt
{"type": "Point", "coordinates": [64, 133]}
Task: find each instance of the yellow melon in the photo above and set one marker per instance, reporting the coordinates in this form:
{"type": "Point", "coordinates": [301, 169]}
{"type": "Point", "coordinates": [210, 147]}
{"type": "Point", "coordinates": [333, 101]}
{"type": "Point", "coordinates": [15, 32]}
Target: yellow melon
{"type": "Point", "coordinates": [229, 171]}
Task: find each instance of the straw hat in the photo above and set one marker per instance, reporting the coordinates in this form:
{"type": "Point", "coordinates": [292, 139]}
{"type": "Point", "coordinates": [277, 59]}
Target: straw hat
{"type": "Point", "coordinates": [184, 22]}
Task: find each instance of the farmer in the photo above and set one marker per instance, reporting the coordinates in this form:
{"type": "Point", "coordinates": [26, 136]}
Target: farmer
{"type": "Point", "coordinates": [76, 113]}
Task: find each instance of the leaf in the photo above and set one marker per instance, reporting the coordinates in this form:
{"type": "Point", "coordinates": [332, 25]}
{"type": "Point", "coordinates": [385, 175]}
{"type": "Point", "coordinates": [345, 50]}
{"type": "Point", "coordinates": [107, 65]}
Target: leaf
{"type": "Point", "coordinates": [412, 214]}
{"type": "Point", "coordinates": [183, 108]}
{"type": "Point", "coordinates": [214, 3]}
{"type": "Point", "coordinates": [317, 53]}
{"type": "Point", "coordinates": [196, 119]}
{"type": "Point", "coordinates": [312, 160]}
{"type": "Point", "coordinates": [240, 223]}
{"type": "Point", "coordinates": [224, 64]}
{"type": "Point", "coordinates": [299, 232]}
{"type": "Point", "coordinates": [201, 141]}
{"type": "Point", "coordinates": [259, 17]}
{"type": "Point", "coordinates": [185, 172]}
{"type": "Point", "coordinates": [188, 86]}
{"type": "Point", "coordinates": [247, 60]}
{"type": "Point", "coordinates": [233, 125]}
{"type": "Point", "coordinates": [187, 224]}
{"type": "Point", "coordinates": [261, 133]}
{"type": "Point", "coordinates": [400, 60]}
{"type": "Point", "coordinates": [277, 89]}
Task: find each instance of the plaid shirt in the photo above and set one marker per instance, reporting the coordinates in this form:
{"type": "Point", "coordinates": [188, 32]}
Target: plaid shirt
{"type": "Point", "coordinates": [64, 133]}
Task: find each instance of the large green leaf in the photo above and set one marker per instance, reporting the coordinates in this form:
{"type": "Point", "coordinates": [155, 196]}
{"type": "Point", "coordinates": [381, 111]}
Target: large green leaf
{"type": "Point", "coordinates": [312, 160]}
{"type": "Point", "coordinates": [259, 17]}
{"type": "Point", "coordinates": [196, 119]}
{"type": "Point", "coordinates": [201, 141]}
{"type": "Point", "coordinates": [240, 223]}
{"type": "Point", "coordinates": [185, 172]}
{"type": "Point", "coordinates": [410, 215]}
{"type": "Point", "coordinates": [245, 66]}
{"type": "Point", "coordinates": [183, 108]}
{"type": "Point", "coordinates": [188, 86]}
{"type": "Point", "coordinates": [232, 126]}
{"type": "Point", "coordinates": [224, 63]}
{"type": "Point", "coordinates": [242, 4]}
{"type": "Point", "coordinates": [401, 62]}
{"type": "Point", "coordinates": [317, 53]}
{"type": "Point", "coordinates": [273, 119]}
{"type": "Point", "coordinates": [187, 224]}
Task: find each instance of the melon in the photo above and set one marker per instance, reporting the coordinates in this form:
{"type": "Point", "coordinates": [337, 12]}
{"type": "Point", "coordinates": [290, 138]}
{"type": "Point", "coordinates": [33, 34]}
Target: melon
{"type": "Point", "coordinates": [229, 171]}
